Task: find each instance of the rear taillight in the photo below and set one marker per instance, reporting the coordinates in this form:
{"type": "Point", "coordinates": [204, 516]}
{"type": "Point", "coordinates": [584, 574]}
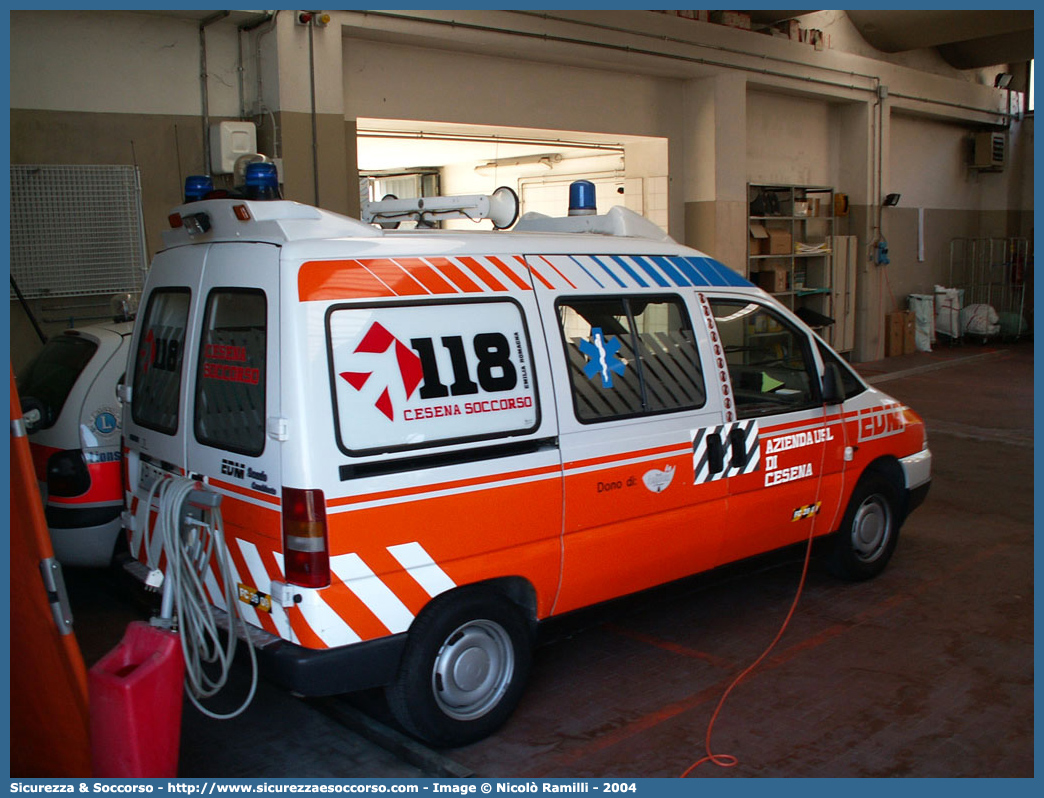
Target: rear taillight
{"type": "Point", "coordinates": [306, 552]}
{"type": "Point", "coordinates": [67, 474]}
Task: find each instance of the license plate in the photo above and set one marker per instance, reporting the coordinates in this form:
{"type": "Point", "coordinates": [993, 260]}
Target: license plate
{"type": "Point", "coordinates": [255, 598]}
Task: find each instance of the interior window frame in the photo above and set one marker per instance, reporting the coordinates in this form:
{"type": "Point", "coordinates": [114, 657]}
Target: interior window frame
{"type": "Point", "coordinates": [805, 337]}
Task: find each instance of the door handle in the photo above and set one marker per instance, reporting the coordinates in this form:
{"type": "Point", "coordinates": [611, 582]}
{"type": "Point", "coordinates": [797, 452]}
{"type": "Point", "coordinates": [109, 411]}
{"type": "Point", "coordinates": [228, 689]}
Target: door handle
{"type": "Point", "coordinates": [738, 442]}
{"type": "Point", "coordinates": [715, 453]}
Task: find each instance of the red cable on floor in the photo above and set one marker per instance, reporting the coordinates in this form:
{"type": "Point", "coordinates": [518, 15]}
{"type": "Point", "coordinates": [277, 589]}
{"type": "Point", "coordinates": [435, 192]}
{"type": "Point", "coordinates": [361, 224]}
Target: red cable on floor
{"type": "Point", "coordinates": [728, 760]}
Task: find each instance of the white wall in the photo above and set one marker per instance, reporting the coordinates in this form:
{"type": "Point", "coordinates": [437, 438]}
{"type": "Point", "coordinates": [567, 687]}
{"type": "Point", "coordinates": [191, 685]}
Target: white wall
{"type": "Point", "coordinates": [929, 166]}
{"type": "Point", "coordinates": [389, 81]}
{"type": "Point", "coordinates": [791, 140]}
{"type": "Point", "coordinates": [119, 62]}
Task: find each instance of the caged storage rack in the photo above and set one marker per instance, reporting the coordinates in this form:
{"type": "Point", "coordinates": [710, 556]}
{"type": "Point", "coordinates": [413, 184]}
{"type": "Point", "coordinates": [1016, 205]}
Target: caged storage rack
{"type": "Point", "coordinates": [994, 272]}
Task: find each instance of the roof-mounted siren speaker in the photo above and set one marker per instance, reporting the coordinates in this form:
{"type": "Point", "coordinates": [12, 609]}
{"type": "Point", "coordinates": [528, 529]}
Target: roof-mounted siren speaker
{"type": "Point", "coordinates": [582, 198]}
{"type": "Point", "coordinates": [500, 207]}
{"type": "Point", "coordinates": [503, 208]}
{"type": "Point", "coordinates": [241, 164]}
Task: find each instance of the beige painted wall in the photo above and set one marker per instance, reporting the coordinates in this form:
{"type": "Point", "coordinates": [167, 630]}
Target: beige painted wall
{"type": "Point", "coordinates": [388, 81]}
{"type": "Point", "coordinates": [119, 62]}
{"type": "Point", "coordinates": [791, 140]}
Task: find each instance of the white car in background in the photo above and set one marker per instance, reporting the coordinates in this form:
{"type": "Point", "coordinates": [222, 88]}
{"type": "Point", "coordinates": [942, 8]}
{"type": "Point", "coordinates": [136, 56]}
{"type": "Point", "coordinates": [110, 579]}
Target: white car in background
{"type": "Point", "coordinates": [73, 417]}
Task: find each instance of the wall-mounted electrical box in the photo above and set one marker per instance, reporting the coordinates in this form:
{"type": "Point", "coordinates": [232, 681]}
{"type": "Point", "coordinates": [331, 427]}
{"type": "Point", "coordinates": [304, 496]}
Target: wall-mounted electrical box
{"type": "Point", "coordinates": [229, 141]}
{"type": "Point", "coordinates": [990, 151]}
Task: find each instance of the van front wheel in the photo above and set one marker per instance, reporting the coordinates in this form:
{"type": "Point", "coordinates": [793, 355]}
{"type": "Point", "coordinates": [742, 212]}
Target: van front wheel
{"type": "Point", "coordinates": [463, 670]}
{"type": "Point", "coordinates": [869, 530]}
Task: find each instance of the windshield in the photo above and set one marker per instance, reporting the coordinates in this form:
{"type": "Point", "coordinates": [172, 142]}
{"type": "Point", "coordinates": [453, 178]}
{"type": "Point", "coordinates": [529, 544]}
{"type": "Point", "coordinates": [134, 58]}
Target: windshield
{"type": "Point", "coordinates": [45, 383]}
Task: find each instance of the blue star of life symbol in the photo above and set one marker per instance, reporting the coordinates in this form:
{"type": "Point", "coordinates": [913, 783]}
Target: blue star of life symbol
{"type": "Point", "coordinates": [602, 357]}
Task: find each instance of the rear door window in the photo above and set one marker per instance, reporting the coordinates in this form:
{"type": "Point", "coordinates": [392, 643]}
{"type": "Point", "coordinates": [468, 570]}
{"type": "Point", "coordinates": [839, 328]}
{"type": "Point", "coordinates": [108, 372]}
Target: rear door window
{"type": "Point", "coordinates": [230, 383]}
{"type": "Point", "coordinates": [45, 383]}
{"type": "Point", "coordinates": [156, 390]}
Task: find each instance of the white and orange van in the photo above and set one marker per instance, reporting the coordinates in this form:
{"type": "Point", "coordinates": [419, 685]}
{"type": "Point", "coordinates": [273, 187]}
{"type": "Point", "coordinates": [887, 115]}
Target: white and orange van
{"type": "Point", "coordinates": [429, 441]}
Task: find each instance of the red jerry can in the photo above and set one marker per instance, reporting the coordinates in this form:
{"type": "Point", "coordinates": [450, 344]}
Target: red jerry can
{"type": "Point", "coordinates": [135, 705]}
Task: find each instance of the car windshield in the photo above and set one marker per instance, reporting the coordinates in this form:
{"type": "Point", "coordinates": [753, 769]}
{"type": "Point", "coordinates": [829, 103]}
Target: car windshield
{"type": "Point", "coordinates": [45, 383]}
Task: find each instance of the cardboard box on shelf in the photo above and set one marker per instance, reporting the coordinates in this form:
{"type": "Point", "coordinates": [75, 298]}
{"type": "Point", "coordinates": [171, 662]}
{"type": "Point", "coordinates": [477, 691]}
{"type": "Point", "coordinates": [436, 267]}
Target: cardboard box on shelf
{"type": "Point", "coordinates": [758, 239]}
{"type": "Point", "coordinates": [734, 19]}
{"type": "Point", "coordinates": [699, 16]}
{"type": "Point", "coordinates": [780, 242]}
{"type": "Point", "coordinates": [770, 240]}
{"type": "Point", "coordinates": [772, 277]}
{"type": "Point", "coordinates": [791, 28]}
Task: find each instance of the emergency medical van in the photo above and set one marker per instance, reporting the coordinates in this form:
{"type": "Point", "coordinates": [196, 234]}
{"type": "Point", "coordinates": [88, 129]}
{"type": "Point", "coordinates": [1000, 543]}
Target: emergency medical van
{"type": "Point", "coordinates": [428, 441]}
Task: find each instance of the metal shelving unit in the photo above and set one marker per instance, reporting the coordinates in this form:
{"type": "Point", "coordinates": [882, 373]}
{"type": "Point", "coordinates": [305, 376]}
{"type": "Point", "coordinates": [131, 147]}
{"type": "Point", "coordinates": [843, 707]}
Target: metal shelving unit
{"type": "Point", "coordinates": [802, 276]}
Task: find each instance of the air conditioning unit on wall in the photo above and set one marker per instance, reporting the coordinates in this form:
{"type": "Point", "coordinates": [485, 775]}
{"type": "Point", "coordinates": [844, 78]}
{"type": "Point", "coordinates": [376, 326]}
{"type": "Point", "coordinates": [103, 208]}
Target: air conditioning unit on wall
{"type": "Point", "coordinates": [990, 151]}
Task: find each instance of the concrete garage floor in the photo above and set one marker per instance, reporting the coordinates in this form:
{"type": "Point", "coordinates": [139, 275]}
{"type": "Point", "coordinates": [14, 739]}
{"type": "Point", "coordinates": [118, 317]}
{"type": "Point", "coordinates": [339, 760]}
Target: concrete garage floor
{"type": "Point", "coordinates": [925, 671]}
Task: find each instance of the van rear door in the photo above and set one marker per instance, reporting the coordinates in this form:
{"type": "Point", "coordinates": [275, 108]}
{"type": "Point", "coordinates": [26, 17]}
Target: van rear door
{"type": "Point", "coordinates": [157, 369]}
{"type": "Point", "coordinates": [233, 428]}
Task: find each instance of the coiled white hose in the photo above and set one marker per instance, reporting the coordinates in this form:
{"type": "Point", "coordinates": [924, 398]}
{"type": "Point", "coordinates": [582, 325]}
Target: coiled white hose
{"type": "Point", "coordinates": [190, 546]}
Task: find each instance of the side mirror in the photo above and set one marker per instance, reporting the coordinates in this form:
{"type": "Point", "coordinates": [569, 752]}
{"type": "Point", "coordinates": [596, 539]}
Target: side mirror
{"type": "Point", "coordinates": [833, 385]}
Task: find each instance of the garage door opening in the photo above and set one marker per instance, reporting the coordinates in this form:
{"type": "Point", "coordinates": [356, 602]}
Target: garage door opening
{"type": "Point", "coordinates": [419, 159]}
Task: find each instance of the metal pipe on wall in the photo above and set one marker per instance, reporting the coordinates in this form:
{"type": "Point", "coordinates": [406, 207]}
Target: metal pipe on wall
{"type": "Point", "coordinates": [262, 109]}
{"type": "Point", "coordinates": [215, 17]}
{"type": "Point", "coordinates": [247, 27]}
{"type": "Point", "coordinates": [315, 134]}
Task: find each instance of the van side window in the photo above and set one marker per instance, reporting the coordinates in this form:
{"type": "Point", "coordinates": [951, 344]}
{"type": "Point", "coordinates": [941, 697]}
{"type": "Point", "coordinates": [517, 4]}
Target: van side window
{"type": "Point", "coordinates": [158, 361]}
{"type": "Point", "coordinates": [630, 356]}
{"type": "Point", "coordinates": [770, 361]}
{"type": "Point", "coordinates": [230, 383]}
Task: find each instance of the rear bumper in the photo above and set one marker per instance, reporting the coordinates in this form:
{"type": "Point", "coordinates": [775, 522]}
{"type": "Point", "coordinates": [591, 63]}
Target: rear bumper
{"type": "Point", "coordinates": [85, 546]}
{"type": "Point", "coordinates": [331, 671]}
{"type": "Point", "coordinates": [307, 671]}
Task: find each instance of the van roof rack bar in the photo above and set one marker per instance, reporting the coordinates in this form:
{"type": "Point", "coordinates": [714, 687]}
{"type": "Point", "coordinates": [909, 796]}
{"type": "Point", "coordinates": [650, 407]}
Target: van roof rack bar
{"type": "Point", "coordinates": [500, 207]}
{"type": "Point", "coordinates": [617, 221]}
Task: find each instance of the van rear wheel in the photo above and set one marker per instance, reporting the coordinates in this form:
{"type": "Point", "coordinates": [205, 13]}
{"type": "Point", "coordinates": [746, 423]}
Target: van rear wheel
{"type": "Point", "coordinates": [869, 531]}
{"type": "Point", "coordinates": [465, 665]}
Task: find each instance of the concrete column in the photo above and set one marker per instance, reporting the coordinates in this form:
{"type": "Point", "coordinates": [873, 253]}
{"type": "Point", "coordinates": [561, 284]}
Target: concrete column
{"type": "Point", "coordinates": [302, 144]}
{"type": "Point", "coordinates": [715, 168]}
{"type": "Point", "coordinates": [864, 160]}
{"type": "Point", "coordinates": [857, 175]}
